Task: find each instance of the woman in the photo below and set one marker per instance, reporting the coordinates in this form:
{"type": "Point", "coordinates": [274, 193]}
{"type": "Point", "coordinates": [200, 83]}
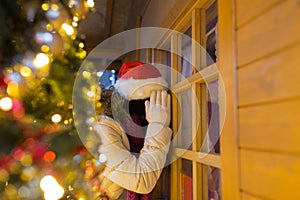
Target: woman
{"type": "Point", "coordinates": [136, 138]}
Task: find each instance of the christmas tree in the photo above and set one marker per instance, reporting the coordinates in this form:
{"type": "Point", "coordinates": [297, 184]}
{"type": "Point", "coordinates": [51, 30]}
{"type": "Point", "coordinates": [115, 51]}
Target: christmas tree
{"type": "Point", "coordinates": [41, 155]}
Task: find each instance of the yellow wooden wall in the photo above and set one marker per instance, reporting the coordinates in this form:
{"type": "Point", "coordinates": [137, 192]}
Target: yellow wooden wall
{"type": "Point", "coordinates": [262, 80]}
{"type": "Point", "coordinates": [259, 60]}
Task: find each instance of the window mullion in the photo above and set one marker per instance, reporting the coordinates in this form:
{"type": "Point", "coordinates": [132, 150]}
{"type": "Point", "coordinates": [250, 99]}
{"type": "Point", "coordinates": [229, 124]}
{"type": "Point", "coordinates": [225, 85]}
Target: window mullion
{"type": "Point", "coordinates": [200, 187]}
{"type": "Point", "coordinates": [176, 166]}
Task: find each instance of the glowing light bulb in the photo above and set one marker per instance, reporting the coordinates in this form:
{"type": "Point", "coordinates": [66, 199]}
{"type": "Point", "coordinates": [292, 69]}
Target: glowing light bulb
{"type": "Point", "coordinates": [12, 89]}
{"type": "Point", "coordinates": [90, 3]}
{"type": "Point", "coordinates": [49, 27]}
{"type": "Point", "coordinates": [45, 48]}
{"type": "Point", "coordinates": [54, 7]}
{"type": "Point", "coordinates": [54, 194]}
{"type": "Point", "coordinates": [45, 6]}
{"type": "Point", "coordinates": [68, 29]}
{"type": "Point", "coordinates": [52, 190]}
{"type": "Point", "coordinates": [41, 60]}
{"type": "Point", "coordinates": [75, 19]}
{"type": "Point", "coordinates": [47, 181]}
{"type": "Point", "coordinates": [81, 44]}
{"type": "Point", "coordinates": [49, 156]}
{"type": "Point", "coordinates": [56, 118]}
{"type": "Point", "coordinates": [25, 71]}
{"type": "Point", "coordinates": [74, 24]}
{"type": "Point", "coordinates": [6, 104]}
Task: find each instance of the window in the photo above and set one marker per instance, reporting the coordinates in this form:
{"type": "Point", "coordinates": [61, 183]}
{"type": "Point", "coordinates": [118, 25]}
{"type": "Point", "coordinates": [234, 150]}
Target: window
{"type": "Point", "coordinates": [196, 174]}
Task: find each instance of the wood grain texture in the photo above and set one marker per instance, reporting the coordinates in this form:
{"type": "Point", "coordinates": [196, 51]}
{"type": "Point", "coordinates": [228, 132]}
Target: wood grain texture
{"type": "Point", "coordinates": [273, 78]}
{"type": "Point", "coordinates": [272, 127]}
{"type": "Point", "coordinates": [270, 175]}
{"type": "Point", "coordinates": [245, 196]}
{"type": "Point", "coordinates": [227, 67]}
{"type": "Point", "coordinates": [276, 29]}
{"type": "Point", "coordinates": [247, 10]}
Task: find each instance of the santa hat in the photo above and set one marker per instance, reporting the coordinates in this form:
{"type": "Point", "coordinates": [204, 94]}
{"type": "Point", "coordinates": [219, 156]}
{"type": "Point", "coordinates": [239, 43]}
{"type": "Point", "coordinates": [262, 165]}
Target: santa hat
{"type": "Point", "coordinates": [137, 80]}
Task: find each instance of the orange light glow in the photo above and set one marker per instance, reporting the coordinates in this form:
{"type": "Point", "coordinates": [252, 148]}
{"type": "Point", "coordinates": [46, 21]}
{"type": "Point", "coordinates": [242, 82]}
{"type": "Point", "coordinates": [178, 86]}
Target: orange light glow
{"type": "Point", "coordinates": [49, 156]}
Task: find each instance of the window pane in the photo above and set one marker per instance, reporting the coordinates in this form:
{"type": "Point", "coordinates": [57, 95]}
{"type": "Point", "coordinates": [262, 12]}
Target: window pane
{"type": "Point", "coordinates": [187, 180]}
{"type": "Point", "coordinates": [186, 54]}
{"type": "Point", "coordinates": [186, 120]}
{"type": "Point", "coordinates": [162, 60]}
{"type": "Point", "coordinates": [214, 183]}
{"type": "Point", "coordinates": [211, 141]}
{"type": "Point", "coordinates": [211, 33]}
{"type": "Point", "coordinates": [213, 116]}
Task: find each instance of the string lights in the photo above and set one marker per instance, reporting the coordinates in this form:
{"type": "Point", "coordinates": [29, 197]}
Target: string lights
{"type": "Point", "coordinates": [35, 103]}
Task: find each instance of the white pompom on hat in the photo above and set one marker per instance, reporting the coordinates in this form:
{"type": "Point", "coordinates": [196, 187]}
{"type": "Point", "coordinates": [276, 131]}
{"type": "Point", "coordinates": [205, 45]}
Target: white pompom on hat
{"type": "Point", "coordinates": [137, 80]}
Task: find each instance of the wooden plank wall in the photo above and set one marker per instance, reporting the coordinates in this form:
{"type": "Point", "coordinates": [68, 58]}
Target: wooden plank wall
{"type": "Point", "coordinates": [227, 66]}
{"type": "Point", "coordinates": [268, 76]}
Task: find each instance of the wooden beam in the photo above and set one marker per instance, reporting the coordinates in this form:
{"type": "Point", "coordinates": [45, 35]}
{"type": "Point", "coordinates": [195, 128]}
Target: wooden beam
{"type": "Point", "coordinates": [176, 21]}
{"type": "Point", "coordinates": [228, 69]}
{"type": "Point", "coordinates": [176, 165]}
{"type": "Point", "coordinates": [204, 158]}
{"type": "Point", "coordinates": [199, 115]}
{"type": "Point", "coordinates": [180, 22]}
{"type": "Point", "coordinates": [206, 75]}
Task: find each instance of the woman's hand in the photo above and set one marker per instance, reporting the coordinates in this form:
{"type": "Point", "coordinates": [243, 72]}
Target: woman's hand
{"type": "Point", "coordinates": [159, 108]}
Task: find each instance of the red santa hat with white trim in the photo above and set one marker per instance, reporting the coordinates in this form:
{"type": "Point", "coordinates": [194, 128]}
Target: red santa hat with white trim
{"type": "Point", "coordinates": [137, 80]}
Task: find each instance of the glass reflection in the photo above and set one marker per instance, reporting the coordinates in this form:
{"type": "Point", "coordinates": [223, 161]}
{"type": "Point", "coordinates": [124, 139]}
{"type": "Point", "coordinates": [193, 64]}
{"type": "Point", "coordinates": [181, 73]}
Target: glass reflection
{"type": "Point", "coordinates": [187, 180]}
{"type": "Point", "coordinates": [186, 120]}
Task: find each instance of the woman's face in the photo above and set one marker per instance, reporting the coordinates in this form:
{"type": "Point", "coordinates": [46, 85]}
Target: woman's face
{"type": "Point", "coordinates": [137, 112]}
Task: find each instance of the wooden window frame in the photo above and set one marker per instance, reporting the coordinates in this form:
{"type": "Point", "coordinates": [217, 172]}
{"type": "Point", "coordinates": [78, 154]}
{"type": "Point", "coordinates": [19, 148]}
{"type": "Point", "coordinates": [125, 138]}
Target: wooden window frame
{"type": "Point", "coordinates": [195, 17]}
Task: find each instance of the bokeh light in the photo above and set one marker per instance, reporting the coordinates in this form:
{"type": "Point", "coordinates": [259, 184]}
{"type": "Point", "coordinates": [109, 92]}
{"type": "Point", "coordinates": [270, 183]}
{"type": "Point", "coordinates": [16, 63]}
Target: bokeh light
{"type": "Point", "coordinates": [45, 6]}
{"type": "Point", "coordinates": [81, 44]}
{"type": "Point", "coordinates": [41, 60]}
{"type": "Point", "coordinates": [90, 3]}
{"type": "Point", "coordinates": [56, 118]}
{"type": "Point", "coordinates": [25, 71]}
{"type": "Point", "coordinates": [36, 79]}
{"type": "Point", "coordinates": [12, 89]}
{"type": "Point", "coordinates": [52, 190]}
{"type": "Point", "coordinates": [68, 29]}
{"type": "Point", "coordinates": [49, 156]}
{"type": "Point", "coordinates": [6, 104]}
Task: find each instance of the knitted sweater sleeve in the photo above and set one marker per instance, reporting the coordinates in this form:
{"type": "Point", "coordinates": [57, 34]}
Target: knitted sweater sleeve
{"type": "Point", "coordinates": [135, 173]}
